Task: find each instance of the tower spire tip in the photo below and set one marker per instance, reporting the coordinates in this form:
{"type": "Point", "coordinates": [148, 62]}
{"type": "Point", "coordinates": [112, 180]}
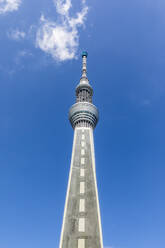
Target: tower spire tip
{"type": "Point", "coordinates": [84, 53]}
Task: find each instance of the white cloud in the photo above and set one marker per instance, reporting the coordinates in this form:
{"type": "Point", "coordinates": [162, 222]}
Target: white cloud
{"type": "Point", "coordinates": [63, 6]}
{"type": "Point", "coordinates": [16, 34]}
{"type": "Point", "coordinates": [9, 5]}
{"type": "Point", "coordinates": [25, 53]}
{"type": "Point", "coordinates": [61, 41]}
{"type": "Point", "coordinates": [57, 40]}
{"type": "Point", "coordinates": [80, 18]}
{"type": "Point", "coordinates": [22, 55]}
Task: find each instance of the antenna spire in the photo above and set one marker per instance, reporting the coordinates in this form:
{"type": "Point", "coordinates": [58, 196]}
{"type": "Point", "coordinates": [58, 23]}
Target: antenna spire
{"type": "Point", "coordinates": [84, 64]}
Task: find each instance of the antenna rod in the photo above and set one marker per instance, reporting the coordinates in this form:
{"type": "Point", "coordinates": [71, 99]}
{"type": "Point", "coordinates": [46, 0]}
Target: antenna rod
{"type": "Point", "coordinates": [84, 64]}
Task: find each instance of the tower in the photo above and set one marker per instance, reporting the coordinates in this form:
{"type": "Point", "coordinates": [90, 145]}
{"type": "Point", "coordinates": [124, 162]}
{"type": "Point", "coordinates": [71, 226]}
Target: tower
{"type": "Point", "coordinates": [81, 222]}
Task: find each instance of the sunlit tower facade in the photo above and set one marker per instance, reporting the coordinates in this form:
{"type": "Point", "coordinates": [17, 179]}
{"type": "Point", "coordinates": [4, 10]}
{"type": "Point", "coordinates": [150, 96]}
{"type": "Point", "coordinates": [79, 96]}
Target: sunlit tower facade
{"type": "Point", "coordinates": [81, 226]}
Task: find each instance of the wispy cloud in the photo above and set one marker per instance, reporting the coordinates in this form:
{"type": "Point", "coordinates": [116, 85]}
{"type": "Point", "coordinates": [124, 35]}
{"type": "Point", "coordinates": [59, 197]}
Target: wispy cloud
{"type": "Point", "coordinates": [23, 59]}
{"type": "Point", "coordinates": [61, 40]}
{"type": "Point", "coordinates": [9, 5]}
{"type": "Point", "coordinates": [146, 102]}
{"type": "Point", "coordinates": [16, 34]}
{"type": "Point", "coordinates": [63, 6]}
{"type": "Point", "coordinates": [22, 55]}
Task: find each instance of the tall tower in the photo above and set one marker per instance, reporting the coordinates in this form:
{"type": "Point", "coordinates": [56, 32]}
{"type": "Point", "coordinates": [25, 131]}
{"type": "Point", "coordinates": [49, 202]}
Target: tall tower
{"type": "Point", "coordinates": [81, 222]}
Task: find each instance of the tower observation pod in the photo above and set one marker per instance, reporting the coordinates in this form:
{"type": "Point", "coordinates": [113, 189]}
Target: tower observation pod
{"type": "Point", "coordinates": [81, 226]}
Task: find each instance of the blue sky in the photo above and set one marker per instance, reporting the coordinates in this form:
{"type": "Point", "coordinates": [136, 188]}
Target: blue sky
{"type": "Point", "coordinates": [40, 66]}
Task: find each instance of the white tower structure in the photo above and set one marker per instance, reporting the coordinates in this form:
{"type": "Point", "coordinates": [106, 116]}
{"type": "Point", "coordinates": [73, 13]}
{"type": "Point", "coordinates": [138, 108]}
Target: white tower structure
{"type": "Point", "coordinates": [81, 226]}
